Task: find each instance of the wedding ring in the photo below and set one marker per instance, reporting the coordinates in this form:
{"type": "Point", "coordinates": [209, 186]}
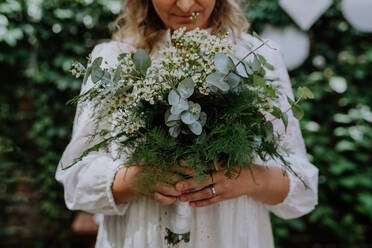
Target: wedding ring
{"type": "Point", "coordinates": [213, 190]}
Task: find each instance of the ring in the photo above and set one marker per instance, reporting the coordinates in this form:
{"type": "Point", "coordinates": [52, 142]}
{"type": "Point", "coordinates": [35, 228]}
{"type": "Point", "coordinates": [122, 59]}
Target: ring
{"type": "Point", "coordinates": [213, 190]}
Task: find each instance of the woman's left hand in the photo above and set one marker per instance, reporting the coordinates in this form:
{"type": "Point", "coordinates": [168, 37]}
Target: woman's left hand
{"type": "Point", "coordinates": [225, 188]}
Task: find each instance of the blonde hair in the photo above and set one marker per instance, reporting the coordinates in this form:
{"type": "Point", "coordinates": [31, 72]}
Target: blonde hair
{"type": "Point", "coordinates": [139, 20]}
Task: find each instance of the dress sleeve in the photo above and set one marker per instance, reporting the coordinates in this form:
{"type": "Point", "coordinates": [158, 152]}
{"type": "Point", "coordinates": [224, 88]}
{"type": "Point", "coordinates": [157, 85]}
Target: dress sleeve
{"type": "Point", "coordinates": [300, 199]}
{"type": "Point", "coordinates": [87, 184]}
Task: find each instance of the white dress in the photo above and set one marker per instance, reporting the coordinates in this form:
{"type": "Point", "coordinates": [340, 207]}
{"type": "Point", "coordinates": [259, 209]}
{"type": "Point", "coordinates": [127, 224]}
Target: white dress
{"type": "Point", "coordinates": [237, 223]}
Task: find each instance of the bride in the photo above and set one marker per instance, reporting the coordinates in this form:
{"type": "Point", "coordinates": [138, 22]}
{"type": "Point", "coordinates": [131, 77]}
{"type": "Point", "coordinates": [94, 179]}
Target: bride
{"type": "Point", "coordinates": [224, 213]}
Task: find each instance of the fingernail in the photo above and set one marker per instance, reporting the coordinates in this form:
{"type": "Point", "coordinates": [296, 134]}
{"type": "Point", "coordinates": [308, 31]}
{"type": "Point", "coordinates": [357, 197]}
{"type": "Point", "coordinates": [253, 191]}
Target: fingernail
{"type": "Point", "coordinates": [179, 186]}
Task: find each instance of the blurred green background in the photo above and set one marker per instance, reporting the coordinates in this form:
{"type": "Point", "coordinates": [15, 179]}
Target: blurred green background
{"type": "Point", "coordinates": [40, 38]}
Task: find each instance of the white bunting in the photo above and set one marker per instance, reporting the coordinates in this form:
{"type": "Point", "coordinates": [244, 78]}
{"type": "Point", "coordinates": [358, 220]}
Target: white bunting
{"type": "Point", "coordinates": [358, 13]}
{"type": "Point", "coordinates": [306, 12]}
{"type": "Point", "coordinates": [294, 43]}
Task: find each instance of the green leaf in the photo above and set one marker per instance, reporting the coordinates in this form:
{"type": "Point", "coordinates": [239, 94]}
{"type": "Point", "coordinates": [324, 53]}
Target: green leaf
{"type": "Point", "coordinates": [257, 36]}
{"type": "Point", "coordinates": [217, 79]}
{"type": "Point", "coordinates": [123, 55]}
{"type": "Point", "coordinates": [263, 61]}
{"type": "Point", "coordinates": [223, 63]}
{"type": "Point", "coordinates": [277, 112]}
{"type": "Point", "coordinates": [285, 120]}
{"type": "Point", "coordinates": [259, 81]}
{"type": "Point", "coordinates": [305, 92]}
{"type": "Point", "coordinates": [291, 102]}
{"type": "Point", "coordinates": [298, 112]}
{"type": "Point", "coordinates": [142, 60]}
{"type": "Point", "coordinates": [269, 130]}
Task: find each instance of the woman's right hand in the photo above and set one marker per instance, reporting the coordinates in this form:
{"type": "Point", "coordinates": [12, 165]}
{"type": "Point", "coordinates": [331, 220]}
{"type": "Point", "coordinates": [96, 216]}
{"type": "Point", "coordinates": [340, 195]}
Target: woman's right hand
{"type": "Point", "coordinates": [124, 193]}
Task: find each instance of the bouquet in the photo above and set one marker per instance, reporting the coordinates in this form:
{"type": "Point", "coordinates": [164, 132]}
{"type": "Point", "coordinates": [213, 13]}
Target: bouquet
{"type": "Point", "coordinates": [197, 103]}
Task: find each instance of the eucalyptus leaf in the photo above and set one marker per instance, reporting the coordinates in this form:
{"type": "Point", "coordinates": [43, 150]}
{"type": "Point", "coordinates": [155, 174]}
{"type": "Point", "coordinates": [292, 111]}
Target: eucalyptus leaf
{"type": "Point", "coordinates": [203, 118]}
{"type": "Point", "coordinates": [186, 88]}
{"type": "Point", "coordinates": [189, 118]}
{"type": "Point", "coordinates": [106, 78]}
{"type": "Point", "coordinates": [196, 128]}
{"type": "Point", "coordinates": [175, 131]}
{"type": "Point", "coordinates": [97, 74]}
{"type": "Point", "coordinates": [97, 62]}
{"type": "Point", "coordinates": [141, 60]}
{"type": "Point", "coordinates": [173, 97]}
{"type": "Point", "coordinates": [223, 63]}
{"type": "Point", "coordinates": [166, 115]}
{"type": "Point", "coordinates": [233, 80]}
{"type": "Point", "coordinates": [180, 107]}
{"type": "Point", "coordinates": [242, 69]}
{"type": "Point", "coordinates": [172, 123]}
{"type": "Point", "coordinates": [217, 79]}
{"type": "Point", "coordinates": [243, 44]}
{"type": "Point", "coordinates": [117, 74]}
{"type": "Point", "coordinates": [87, 75]}
{"type": "Point", "coordinates": [173, 117]}
{"type": "Point", "coordinates": [255, 65]}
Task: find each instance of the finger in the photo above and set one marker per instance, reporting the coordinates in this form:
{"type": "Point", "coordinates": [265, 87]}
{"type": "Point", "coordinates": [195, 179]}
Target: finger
{"type": "Point", "coordinates": [191, 184]}
{"type": "Point", "coordinates": [162, 199]}
{"type": "Point", "coordinates": [167, 190]}
{"type": "Point", "coordinates": [184, 170]}
{"type": "Point", "coordinates": [203, 194]}
{"type": "Point", "coordinates": [207, 202]}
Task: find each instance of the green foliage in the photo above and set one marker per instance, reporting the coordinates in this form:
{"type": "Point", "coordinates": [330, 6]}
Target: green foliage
{"type": "Point", "coordinates": [336, 127]}
{"type": "Point", "coordinates": [36, 52]}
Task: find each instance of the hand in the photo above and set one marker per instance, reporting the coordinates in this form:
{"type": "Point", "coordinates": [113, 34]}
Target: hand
{"type": "Point", "coordinates": [225, 188]}
{"type": "Point", "coordinates": [269, 186]}
{"type": "Point", "coordinates": [123, 192]}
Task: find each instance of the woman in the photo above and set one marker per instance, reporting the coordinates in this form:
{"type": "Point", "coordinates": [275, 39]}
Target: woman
{"type": "Point", "coordinates": [225, 213]}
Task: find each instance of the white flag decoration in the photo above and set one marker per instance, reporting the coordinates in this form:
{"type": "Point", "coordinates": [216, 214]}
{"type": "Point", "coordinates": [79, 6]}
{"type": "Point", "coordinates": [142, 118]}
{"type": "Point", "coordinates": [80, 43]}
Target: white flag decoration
{"type": "Point", "coordinates": [294, 44]}
{"type": "Point", "coordinates": [306, 12]}
{"type": "Point", "coordinates": [358, 13]}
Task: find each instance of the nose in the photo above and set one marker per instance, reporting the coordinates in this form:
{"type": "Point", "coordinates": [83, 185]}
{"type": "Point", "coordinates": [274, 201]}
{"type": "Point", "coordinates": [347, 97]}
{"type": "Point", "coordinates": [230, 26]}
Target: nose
{"type": "Point", "coordinates": [185, 5]}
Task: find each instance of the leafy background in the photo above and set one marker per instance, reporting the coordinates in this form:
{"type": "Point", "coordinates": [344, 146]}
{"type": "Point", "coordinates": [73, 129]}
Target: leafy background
{"type": "Point", "coordinates": [38, 41]}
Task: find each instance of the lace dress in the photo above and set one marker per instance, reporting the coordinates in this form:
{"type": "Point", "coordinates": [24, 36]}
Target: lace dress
{"type": "Point", "coordinates": [236, 223]}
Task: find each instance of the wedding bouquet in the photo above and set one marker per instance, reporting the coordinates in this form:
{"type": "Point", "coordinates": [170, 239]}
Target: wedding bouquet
{"type": "Point", "coordinates": [196, 103]}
